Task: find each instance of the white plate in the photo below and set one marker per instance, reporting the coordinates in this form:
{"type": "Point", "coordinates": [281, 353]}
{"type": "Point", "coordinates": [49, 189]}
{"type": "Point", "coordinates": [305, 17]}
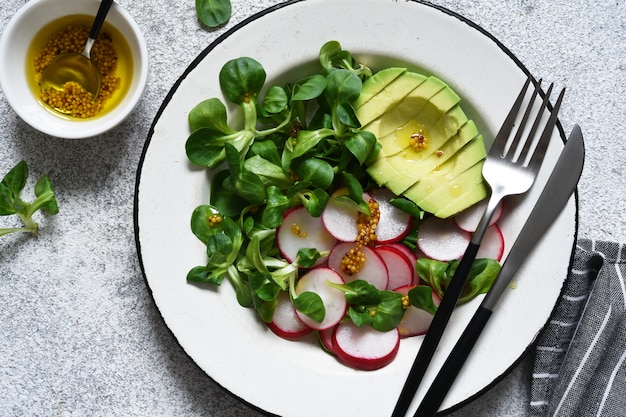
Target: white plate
{"type": "Point", "coordinates": [224, 339]}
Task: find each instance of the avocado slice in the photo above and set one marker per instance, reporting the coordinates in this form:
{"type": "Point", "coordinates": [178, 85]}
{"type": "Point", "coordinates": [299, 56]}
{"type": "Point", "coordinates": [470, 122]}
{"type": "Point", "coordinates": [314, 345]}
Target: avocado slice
{"type": "Point", "coordinates": [387, 98]}
{"type": "Point", "coordinates": [437, 120]}
{"type": "Point", "coordinates": [443, 176]}
{"type": "Point", "coordinates": [453, 190]}
{"type": "Point", "coordinates": [470, 197]}
{"type": "Point", "coordinates": [407, 109]}
{"type": "Point", "coordinates": [374, 84]}
{"type": "Point", "coordinates": [413, 167]}
{"type": "Point", "coordinates": [430, 151]}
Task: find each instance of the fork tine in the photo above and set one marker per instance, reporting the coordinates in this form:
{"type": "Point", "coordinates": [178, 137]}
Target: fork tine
{"type": "Point", "coordinates": [499, 143]}
{"type": "Point", "coordinates": [533, 131]}
{"type": "Point", "coordinates": [544, 140]}
{"type": "Point", "coordinates": [520, 129]}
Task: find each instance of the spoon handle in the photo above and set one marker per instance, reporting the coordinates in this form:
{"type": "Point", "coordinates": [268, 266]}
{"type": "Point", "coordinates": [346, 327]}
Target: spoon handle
{"type": "Point", "coordinates": [105, 5]}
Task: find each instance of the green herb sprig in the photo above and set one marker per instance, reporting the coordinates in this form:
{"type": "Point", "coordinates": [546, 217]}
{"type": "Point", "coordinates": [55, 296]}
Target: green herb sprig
{"type": "Point", "coordinates": [11, 202]}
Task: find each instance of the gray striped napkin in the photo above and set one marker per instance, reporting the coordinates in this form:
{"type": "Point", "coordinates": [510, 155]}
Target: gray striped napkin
{"type": "Point", "coordinates": [580, 356]}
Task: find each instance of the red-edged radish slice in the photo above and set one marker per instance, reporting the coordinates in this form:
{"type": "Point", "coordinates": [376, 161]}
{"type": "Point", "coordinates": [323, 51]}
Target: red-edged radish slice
{"type": "Point", "coordinates": [399, 267]}
{"type": "Point", "coordinates": [335, 304]}
{"type": "Point", "coordinates": [415, 321]}
{"type": "Point", "coordinates": [286, 322]}
{"type": "Point", "coordinates": [441, 239]}
{"type": "Point", "coordinates": [363, 347]}
{"type": "Point", "coordinates": [412, 256]}
{"type": "Point", "coordinates": [373, 270]}
{"type": "Point", "coordinates": [404, 249]}
{"type": "Point", "coordinates": [341, 221]}
{"type": "Point", "coordinates": [394, 224]}
{"type": "Point", "coordinates": [326, 339]}
{"type": "Point", "coordinates": [469, 218]}
{"type": "Point", "coordinates": [492, 245]}
{"type": "Point", "coordinates": [300, 230]}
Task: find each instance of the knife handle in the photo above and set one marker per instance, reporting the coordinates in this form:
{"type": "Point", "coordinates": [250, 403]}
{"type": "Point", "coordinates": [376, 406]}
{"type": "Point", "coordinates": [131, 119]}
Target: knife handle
{"type": "Point", "coordinates": [435, 331]}
{"type": "Point", "coordinates": [453, 364]}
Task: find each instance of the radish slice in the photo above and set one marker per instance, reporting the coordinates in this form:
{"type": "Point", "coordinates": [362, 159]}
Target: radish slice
{"type": "Point", "coordinates": [394, 224]}
{"type": "Point", "coordinates": [441, 239]}
{"type": "Point", "coordinates": [286, 322]}
{"type": "Point", "coordinates": [341, 221]}
{"type": "Point", "coordinates": [334, 300]}
{"type": "Point", "coordinates": [373, 270]}
{"type": "Point", "coordinates": [326, 339]}
{"type": "Point", "coordinates": [405, 250]}
{"type": "Point", "coordinates": [415, 321]}
{"type": "Point", "coordinates": [399, 267]}
{"type": "Point", "coordinates": [411, 256]}
{"type": "Point", "coordinates": [492, 245]}
{"type": "Point", "coordinates": [300, 230]}
{"type": "Point", "coordinates": [469, 218]}
{"type": "Point", "coordinates": [363, 347]}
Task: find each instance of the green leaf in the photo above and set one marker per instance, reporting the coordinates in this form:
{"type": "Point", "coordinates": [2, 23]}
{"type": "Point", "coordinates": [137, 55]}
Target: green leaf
{"type": "Point", "coordinates": [481, 276]}
{"type": "Point", "coordinates": [203, 275]}
{"type": "Point", "coordinates": [361, 145]}
{"type": "Point", "coordinates": [408, 206]}
{"type": "Point", "coordinates": [213, 13]}
{"type": "Point", "coordinates": [266, 149]}
{"type": "Point", "coordinates": [314, 171]}
{"type": "Point", "coordinates": [329, 50]}
{"type": "Point", "coordinates": [307, 257]}
{"type": "Point", "coordinates": [241, 80]}
{"type": "Point", "coordinates": [276, 100]}
{"type": "Point", "coordinates": [421, 296]}
{"type": "Point", "coordinates": [360, 317]}
{"type": "Point", "coordinates": [15, 179]}
{"type": "Point", "coordinates": [343, 86]}
{"type": "Point", "coordinates": [224, 199]}
{"type": "Point", "coordinates": [314, 201]}
{"type": "Point", "coordinates": [311, 88]}
{"type": "Point", "coordinates": [6, 200]}
{"type": "Point", "coordinates": [201, 226]}
{"type": "Point", "coordinates": [247, 184]}
{"type": "Point", "coordinates": [347, 116]}
{"type": "Point", "coordinates": [263, 286]}
{"type": "Point", "coordinates": [310, 304]}
{"type": "Point", "coordinates": [205, 147]}
{"type": "Point", "coordinates": [434, 273]}
{"type": "Point", "coordinates": [388, 312]}
{"type": "Point", "coordinates": [45, 200]}
{"type": "Point", "coordinates": [274, 210]}
{"type": "Point", "coordinates": [210, 114]}
{"type": "Point", "coordinates": [359, 292]}
{"type": "Point", "coordinates": [269, 173]}
{"type": "Point", "coordinates": [307, 140]}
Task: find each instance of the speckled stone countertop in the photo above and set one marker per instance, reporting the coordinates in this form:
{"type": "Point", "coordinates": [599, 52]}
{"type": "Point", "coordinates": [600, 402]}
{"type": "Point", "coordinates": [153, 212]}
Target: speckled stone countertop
{"type": "Point", "coordinates": [79, 333]}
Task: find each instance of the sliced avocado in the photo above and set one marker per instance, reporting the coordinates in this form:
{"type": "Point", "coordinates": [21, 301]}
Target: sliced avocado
{"type": "Point", "coordinates": [374, 84]}
{"type": "Point", "coordinates": [430, 151]}
{"type": "Point", "coordinates": [387, 98]}
{"type": "Point", "coordinates": [470, 197]}
{"type": "Point", "coordinates": [408, 107]}
{"type": "Point", "coordinates": [445, 180]}
{"type": "Point", "coordinates": [452, 189]}
{"type": "Point", "coordinates": [413, 168]}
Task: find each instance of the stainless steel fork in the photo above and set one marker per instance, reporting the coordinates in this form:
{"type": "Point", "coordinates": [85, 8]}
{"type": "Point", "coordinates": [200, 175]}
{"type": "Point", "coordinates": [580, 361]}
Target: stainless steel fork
{"type": "Point", "coordinates": [510, 168]}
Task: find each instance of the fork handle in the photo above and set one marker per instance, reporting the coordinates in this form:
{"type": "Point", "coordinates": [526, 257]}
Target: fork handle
{"type": "Point", "coordinates": [452, 366]}
{"type": "Point", "coordinates": [435, 331]}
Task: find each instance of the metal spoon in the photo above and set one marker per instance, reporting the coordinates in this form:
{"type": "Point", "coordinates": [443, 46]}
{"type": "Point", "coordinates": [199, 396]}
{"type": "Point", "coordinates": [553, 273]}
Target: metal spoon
{"type": "Point", "coordinates": [75, 66]}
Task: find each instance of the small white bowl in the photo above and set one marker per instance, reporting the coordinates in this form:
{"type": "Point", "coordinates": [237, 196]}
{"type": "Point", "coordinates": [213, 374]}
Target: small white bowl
{"type": "Point", "coordinates": [18, 37]}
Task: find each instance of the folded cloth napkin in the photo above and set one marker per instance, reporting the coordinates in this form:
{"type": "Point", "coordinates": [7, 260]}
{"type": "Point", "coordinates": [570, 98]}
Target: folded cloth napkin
{"type": "Point", "coordinates": [580, 355]}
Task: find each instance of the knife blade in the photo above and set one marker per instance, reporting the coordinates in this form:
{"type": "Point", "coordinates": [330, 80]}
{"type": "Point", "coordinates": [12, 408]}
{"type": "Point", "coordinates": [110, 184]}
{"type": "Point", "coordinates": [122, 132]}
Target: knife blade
{"type": "Point", "coordinates": [557, 191]}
